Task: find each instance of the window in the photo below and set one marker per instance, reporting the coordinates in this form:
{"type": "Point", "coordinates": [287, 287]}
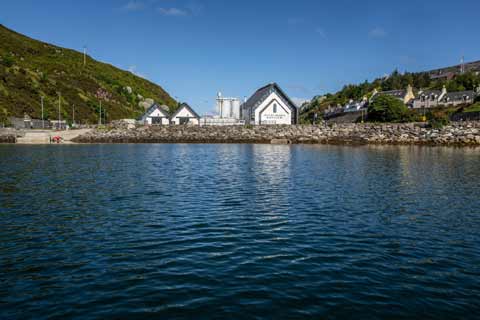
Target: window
{"type": "Point", "coordinates": [274, 108]}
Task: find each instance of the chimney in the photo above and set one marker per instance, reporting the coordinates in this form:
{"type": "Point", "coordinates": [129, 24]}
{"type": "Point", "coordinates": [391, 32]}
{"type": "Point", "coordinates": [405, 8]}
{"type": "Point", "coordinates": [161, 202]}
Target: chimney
{"type": "Point", "coordinates": [409, 90]}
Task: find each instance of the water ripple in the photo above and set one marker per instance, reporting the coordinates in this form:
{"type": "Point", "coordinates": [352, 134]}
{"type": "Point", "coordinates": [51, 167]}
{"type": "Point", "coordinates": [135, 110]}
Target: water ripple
{"type": "Point", "coordinates": [239, 231]}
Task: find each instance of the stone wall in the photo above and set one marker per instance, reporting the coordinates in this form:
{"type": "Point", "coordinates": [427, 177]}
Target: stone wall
{"type": "Point", "coordinates": [7, 136]}
{"type": "Point", "coordinates": [465, 133]}
{"type": "Point", "coordinates": [347, 117]}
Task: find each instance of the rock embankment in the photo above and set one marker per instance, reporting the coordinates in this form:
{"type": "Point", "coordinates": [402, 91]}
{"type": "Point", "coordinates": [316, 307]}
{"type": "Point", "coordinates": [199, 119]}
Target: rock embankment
{"type": "Point", "coordinates": [7, 136]}
{"type": "Point", "coordinates": [465, 134]}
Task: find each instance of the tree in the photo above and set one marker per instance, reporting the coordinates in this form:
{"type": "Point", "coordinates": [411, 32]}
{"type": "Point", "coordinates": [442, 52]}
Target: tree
{"type": "Point", "coordinates": [386, 108]}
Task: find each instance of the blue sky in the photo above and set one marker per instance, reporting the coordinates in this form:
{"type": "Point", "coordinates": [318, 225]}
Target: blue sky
{"type": "Point", "coordinates": [194, 48]}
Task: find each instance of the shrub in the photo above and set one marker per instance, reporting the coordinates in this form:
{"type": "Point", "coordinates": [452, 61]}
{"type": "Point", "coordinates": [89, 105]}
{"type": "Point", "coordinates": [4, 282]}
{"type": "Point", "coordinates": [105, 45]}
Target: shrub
{"type": "Point", "coordinates": [437, 119]}
{"type": "Point", "coordinates": [388, 109]}
{"type": "Point", "coordinates": [7, 60]}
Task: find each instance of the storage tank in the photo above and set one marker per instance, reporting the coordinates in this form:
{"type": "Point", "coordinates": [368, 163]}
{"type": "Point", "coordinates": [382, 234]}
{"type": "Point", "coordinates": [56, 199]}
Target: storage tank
{"type": "Point", "coordinates": [228, 108]}
{"type": "Point", "coordinates": [235, 109]}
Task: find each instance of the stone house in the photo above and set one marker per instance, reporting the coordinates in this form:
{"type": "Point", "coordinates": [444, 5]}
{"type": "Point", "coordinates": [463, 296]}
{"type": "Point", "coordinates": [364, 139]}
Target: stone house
{"type": "Point", "coordinates": [406, 96]}
{"type": "Point", "coordinates": [353, 106]}
{"type": "Point", "coordinates": [429, 98]}
{"type": "Point", "coordinates": [458, 98]}
{"type": "Point", "coordinates": [440, 98]}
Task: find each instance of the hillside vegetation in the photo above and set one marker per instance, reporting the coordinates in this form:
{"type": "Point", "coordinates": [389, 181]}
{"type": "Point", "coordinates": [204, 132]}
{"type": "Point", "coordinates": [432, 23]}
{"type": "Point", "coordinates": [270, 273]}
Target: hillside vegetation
{"type": "Point", "coordinates": [395, 81]}
{"type": "Point", "coordinates": [30, 69]}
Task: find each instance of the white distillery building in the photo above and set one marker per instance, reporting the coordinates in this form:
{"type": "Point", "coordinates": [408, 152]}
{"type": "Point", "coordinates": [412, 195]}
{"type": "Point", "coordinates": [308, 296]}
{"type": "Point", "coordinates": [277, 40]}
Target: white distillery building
{"type": "Point", "coordinates": [156, 115]}
{"type": "Point", "coordinates": [185, 115]}
{"type": "Point", "coordinates": [270, 105]}
{"type": "Point", "coordinates": [228, 108]}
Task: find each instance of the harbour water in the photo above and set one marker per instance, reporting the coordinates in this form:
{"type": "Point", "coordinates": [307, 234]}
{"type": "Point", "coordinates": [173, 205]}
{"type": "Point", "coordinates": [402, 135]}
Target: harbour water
{"type": "Point", "coordinates": [239, 232]}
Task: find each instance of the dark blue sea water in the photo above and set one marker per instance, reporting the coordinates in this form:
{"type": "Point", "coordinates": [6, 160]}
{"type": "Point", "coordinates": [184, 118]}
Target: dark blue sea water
{"type": "Point", "coordinates": [239, 232]}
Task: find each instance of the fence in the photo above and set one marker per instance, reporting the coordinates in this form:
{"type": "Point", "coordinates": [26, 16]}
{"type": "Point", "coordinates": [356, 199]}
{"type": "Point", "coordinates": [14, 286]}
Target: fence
{"type": "Point", "coordinates": [465, 116]}
{"type": "Point", "coordinates": [221, 122]}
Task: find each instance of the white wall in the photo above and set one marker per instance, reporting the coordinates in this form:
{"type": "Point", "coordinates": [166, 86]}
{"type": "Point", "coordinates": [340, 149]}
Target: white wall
{"type": "Point", "coordinates": [264, 113]}
{"type": "Point", "coordinates": [157, 113]}
{"type": "Point", "coordinates": [185, 113]}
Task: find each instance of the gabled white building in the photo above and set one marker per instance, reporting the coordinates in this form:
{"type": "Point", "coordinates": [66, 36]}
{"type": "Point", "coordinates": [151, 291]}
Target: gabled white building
{"type": "Point", "coordinates": [185, 115]}
{"type": "Point", "coordinates": [156, 115]}
{"type": "Point", "coordinates": [269, 105]}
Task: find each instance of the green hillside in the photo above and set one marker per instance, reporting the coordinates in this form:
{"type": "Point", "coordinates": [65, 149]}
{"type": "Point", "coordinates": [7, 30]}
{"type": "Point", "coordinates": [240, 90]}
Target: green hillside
{"type": "Point", "coordinates": [470, 80]}
{"type": "Point", "coordinates": [30, 69]}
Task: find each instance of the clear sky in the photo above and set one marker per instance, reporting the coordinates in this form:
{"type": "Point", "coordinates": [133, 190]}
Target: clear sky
{"type": "Point", "coordinates": [194, 48]}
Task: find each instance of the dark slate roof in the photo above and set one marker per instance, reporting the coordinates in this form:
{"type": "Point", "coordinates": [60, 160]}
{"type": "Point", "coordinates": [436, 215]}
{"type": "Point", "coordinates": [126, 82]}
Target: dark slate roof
{"type": "Point", "coordinates": [186, 106]}
{"type": "Point", "coordinates": [430, 92]}
{"type": "Point", "coordinates": [261, 94]}
{"type": "Point", "coordinates": [163, 108]}
{"type": "Point", "coordinates": [458, 95]}
{"type": "Point", "coordinates": [394, 93]}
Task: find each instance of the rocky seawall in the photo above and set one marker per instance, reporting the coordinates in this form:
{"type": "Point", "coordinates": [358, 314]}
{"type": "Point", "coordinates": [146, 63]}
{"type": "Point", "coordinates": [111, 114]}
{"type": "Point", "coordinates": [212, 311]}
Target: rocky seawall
{"type": "Point", "coordinates": [461, 134]}
{"type": "Point", "coordinates": [7, 136]}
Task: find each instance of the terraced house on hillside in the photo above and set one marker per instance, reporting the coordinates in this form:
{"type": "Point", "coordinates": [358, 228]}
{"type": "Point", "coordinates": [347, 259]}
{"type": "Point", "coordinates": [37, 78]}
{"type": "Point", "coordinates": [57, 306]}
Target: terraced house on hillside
{"type": "Point", "coordinates": [440, 98]}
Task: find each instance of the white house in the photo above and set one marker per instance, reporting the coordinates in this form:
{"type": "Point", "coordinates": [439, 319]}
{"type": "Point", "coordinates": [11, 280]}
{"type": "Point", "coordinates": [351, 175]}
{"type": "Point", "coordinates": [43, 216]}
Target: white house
{"type": "Point", "coordinates": [185, 115]}
{"type": "Point", "coordinates": [156, 115]}
{"type": "Point", "coordinates": [269, 105]}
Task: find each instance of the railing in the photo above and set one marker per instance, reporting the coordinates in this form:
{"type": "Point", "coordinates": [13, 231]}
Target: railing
{"type": "Point", "coordinates": [221, 122]}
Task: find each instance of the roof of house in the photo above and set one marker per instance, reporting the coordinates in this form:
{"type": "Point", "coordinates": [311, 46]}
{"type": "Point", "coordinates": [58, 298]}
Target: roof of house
{"type": "Point", "coordinates": [163, 108]}
{"type": "Point", "coordinates": [261, 94]}
{"type": "Point", "coordinates": [186, 106]}
{"type": "Point", "coordinates": [459, 95]}
{"type": "Point", "coordinates": [430, 92]}
{"type": "Point", "coordinates": [394, 93]}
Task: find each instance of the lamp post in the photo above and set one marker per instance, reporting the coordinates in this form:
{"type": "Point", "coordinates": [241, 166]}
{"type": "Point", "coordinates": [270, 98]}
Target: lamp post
{"type": "Point", "coordinates": [100, 114]}
{"type": "Point", "coordinates": [59, 106]}
{"type": "Point", "coordinates": [41, 101]}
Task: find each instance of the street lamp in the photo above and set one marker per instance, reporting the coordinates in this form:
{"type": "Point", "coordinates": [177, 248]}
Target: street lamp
{"type": "Point", "coordinates": [59, 106]}
{"type": "Point", "coordinates": [41, 101]}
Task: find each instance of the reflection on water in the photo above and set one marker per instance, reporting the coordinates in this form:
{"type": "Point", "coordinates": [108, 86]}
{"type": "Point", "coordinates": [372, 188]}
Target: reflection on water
{"type": "Point", "coordinates": [239, 231]}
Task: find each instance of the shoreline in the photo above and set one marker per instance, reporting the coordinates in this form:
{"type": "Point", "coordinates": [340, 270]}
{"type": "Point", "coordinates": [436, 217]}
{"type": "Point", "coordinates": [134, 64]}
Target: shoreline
{"type": "Point", "coordinates": [460, 134]}
{"type": "Point", "coordinates": [455, 134]}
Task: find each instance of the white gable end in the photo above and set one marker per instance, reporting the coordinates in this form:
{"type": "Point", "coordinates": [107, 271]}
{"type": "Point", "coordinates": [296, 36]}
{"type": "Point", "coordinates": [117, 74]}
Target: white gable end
{"type": "Point", "coordinates": [157, 116]}
{"type": "Point", "coordinates": [184, 114]}
{"type": "Point", "coordinates": [273, 110]}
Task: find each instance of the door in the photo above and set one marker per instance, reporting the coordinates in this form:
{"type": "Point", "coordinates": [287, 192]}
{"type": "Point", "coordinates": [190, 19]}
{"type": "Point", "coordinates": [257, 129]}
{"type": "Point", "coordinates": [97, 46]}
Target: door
{"type": "Point", "coordinates": [157, 120]}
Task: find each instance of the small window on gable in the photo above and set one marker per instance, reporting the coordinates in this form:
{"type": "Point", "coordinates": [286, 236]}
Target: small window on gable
{"type": "Point", "coordinates": [274, 108]}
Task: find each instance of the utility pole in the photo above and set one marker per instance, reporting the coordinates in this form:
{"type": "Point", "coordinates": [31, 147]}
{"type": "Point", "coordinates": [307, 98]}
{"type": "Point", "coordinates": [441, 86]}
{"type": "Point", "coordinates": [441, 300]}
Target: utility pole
{"type": "Point", "coordinates": [43, 122]}
{"type": "Point", "coordinates": [84, 56]}
{"type": "Point", "coordinates": [73, 116]}
{"type": "Point", "coordinates": [100, 114]}
{"type": "Point", "coordinates": [59, 106]}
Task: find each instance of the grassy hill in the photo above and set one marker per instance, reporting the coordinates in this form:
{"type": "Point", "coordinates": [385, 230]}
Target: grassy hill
{"type": "Point", "coordinates": [30, 69]}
